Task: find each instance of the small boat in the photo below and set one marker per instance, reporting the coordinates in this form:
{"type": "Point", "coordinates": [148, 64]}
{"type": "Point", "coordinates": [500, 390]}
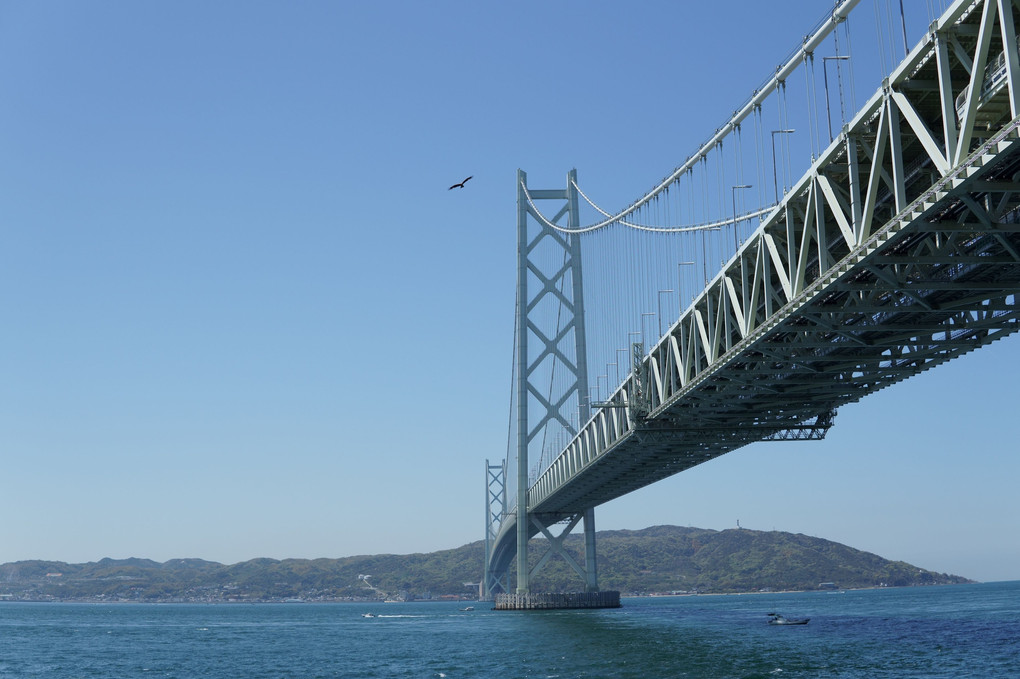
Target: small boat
{"type": "Point", "coordinates": [368, 615]}
{"type": "Point", "coordinates": [468, 608]}
{"type": "Point", "coordinates": [776, 619]}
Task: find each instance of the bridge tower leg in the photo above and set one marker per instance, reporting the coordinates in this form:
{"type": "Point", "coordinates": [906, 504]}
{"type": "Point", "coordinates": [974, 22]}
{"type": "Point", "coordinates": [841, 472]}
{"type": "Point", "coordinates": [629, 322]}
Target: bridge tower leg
{"type": "Point", "coordinates": [565, 284]}
{"type": "Point", "coordinates": [521, 370]}
{"type": "Point", "coordinates": [495, 510]}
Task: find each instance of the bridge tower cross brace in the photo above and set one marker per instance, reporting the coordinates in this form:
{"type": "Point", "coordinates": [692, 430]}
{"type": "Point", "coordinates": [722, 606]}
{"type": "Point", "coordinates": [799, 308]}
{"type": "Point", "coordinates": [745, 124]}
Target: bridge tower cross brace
{"type": "Point", "coordinates": [572, 320]}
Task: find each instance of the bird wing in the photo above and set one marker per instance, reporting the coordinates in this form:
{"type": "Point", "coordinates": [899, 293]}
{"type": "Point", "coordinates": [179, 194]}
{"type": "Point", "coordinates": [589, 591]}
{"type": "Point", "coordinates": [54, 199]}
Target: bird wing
{"type": "Point", "coordinates": [461, 185]}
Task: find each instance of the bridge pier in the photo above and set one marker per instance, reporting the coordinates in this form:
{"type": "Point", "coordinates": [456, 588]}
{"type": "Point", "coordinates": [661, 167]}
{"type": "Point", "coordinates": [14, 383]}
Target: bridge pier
{"type": "Point", "coordinates": [538, 601]}
{"type": "Point", "coordinates": [591, 580]}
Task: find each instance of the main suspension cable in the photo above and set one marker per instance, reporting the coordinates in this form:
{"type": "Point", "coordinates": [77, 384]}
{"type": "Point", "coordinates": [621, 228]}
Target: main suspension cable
{"type": "Point", "coordinates": [712, 226]}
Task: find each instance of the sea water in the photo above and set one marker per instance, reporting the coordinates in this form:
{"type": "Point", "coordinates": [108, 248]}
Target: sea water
{"type": "Point", "coordinates": [946, 631]}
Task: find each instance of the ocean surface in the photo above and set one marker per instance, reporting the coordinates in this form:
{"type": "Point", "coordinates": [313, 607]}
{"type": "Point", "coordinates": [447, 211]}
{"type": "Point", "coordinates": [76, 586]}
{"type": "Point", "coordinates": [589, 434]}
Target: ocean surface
{"type": "Point", "coordinates": [949, 631]}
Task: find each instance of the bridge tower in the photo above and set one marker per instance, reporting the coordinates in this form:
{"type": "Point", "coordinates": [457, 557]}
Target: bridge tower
{"type": "Point", "coordinates": [551, 279]}
{"type": "Point", "coordinates": [495, 511]}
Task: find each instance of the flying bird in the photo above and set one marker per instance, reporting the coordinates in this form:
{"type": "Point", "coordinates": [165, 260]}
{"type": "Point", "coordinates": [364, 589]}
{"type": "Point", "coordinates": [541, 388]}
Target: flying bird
{"type": "Point", "coordinates": [461, 185]}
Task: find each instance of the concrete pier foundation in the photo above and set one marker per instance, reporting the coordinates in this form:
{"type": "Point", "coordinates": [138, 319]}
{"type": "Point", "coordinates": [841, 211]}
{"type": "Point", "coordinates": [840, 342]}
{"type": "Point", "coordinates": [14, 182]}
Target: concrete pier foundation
{"type": "Point", "coordinates": [537, 601]}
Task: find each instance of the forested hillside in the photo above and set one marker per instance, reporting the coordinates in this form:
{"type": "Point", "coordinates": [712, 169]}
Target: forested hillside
{"type": "Point", "coordinates": [653, 560]}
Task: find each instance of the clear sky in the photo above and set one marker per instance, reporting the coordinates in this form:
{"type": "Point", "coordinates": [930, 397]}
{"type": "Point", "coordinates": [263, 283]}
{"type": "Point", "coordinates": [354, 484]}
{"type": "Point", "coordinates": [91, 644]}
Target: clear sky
{"type": "Point", "coordinates": [241, 315]}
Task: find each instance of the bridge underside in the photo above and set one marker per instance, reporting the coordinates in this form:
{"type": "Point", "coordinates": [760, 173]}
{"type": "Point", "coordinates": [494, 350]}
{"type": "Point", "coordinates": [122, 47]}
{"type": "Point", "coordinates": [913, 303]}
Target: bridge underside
{"type": "Point", "coordinates": [938, 288]}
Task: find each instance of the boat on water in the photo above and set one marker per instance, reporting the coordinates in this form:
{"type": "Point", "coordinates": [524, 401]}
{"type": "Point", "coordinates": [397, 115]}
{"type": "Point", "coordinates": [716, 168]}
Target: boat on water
{"type": "Point", "coordinates": [368, 615]}
{"type": "Point", "coordinates": [468, 608]}
{"type": "Point", "coordinates": [776, 619]}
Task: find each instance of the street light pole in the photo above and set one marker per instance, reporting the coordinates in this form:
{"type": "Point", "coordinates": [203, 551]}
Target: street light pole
{"type": "Point", "coordinates": [660, 308]}
{"type": "Point", "coordinates": [775, 179]}
{"type": "Point", "coordinates": [903, 25]}
{"type": "Point", "coordinates": [825, 79]}
{"type": "Point", "coordinates": [733, 195]}
{"type": "Point", "coordinates": [680, 286]}
{"type": "Point", "coordinates": [630, 353]}
{"type": "Point", "coordinates": [704, 256]}
{"type": "Point", "coordinates": [643, 314]}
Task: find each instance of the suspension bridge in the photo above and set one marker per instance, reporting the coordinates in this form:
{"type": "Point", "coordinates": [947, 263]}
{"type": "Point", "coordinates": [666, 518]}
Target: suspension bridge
{"type": "Point", "coordinates": [896, 250]}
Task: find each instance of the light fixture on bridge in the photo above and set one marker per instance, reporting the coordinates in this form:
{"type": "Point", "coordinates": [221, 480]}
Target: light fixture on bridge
{"type": "Point", "coordinates": [661, 292]}
{"type": "Point", "coordinates": [625, 364]}
{"type": "Point", "coordinates": [733, 195]}
{"type": "Point", "coordinates": [775, 180]}
{"type": "Point", "coordinates": [644, 343]}
{"type": "Point", "coordinates": [680, 285]}
{"type": "Point", "coordinates": [825, 79]}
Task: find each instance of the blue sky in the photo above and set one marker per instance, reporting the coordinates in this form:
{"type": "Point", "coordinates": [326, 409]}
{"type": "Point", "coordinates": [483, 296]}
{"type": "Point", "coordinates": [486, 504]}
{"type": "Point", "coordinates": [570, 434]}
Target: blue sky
{"type": "Point", "coordinates": [242, 315]}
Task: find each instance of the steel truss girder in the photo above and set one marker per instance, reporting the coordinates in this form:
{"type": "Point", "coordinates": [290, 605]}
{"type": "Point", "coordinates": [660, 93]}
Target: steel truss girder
{"type": "Point", "coordinates": [897, 251]}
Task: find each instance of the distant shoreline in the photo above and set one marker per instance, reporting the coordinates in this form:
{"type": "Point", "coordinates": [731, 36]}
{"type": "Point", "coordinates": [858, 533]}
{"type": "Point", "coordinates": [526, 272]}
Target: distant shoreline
{"type": "Point", "coordinates": [6, 599]}
{"type": "Point", "coordinates": [660, 560]}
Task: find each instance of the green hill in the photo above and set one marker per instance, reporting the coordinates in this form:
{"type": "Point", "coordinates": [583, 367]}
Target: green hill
{"type": "Point", "coordinates": [657, 559]}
